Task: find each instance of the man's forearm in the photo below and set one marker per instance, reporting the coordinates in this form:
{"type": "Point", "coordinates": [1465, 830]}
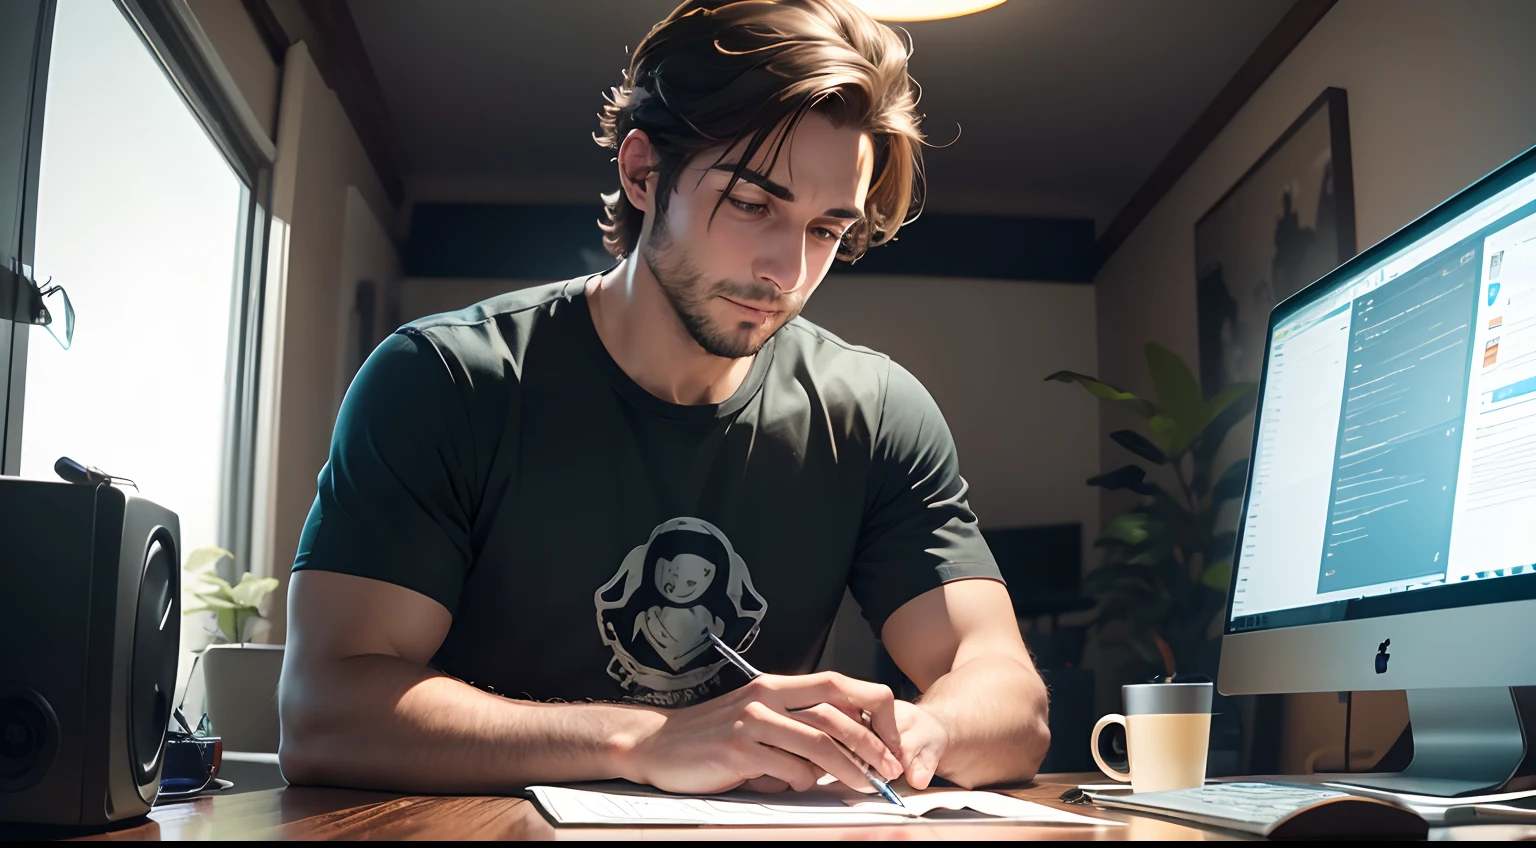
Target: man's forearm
{"type": "Point", "coordinates": [994, 709]}
{"type": "Point", "coordinates": [382, 722]}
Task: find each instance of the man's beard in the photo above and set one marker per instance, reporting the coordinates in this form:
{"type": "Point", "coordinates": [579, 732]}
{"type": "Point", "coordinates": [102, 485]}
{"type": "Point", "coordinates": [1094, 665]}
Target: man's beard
{"type": "Point", "coordinates": [689, 295]}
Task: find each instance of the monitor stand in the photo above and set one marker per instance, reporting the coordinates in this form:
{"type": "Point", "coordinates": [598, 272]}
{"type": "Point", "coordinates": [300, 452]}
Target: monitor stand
{"type": "Point", "coordinates": [1466, 742]}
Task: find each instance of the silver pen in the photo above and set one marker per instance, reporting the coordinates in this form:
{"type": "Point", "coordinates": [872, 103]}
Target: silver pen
{"type": "Point", "coordinates": [874, 777]}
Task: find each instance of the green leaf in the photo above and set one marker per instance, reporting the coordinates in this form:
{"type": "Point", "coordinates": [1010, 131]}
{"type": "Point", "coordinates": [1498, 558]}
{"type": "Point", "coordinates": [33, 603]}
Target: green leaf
{"type": "Point", "coordinates": [1178, 392]}
{"type": "Point", "coordinates": [218, 603]}
{"type": "Point", "coordinates": [1218, 575]}
{"type": "Point", "coordinates": [1124, 477]}
{"type": "Point", "coordinates": [252, 589]}
{"type": "Point", "coordinates": [212, 584]}
{"type": "Point", "coordinates": [1231, 482]}
{"type": "Point", "coordinates": [1140, 445]}
{"type": "Point", "coordinates": [191, 610]}
{"type": "Point", "coordinates": [1130, 528]}
{"type": "Point", "coordinates": [1169, 435]}
{"type": "Point", "coordinates": [1149, 558]}
{"type": "Point", "coordinates": [228, 625]}
{"type": "Point", "coordinates": [241, 617]}
{"type": "Point", "coordinates": [1232, 394]}
{"type": "Point", "coordinates": [206, 558]}
{"type": "Point", "coordinates": [1104, 390]}
{"type": "Point", "coordinates": [1215, 432]}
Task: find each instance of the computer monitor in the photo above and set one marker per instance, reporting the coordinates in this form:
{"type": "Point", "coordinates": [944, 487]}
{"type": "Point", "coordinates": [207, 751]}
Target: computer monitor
{"type": "Point", "coordinates": [1387, 538]}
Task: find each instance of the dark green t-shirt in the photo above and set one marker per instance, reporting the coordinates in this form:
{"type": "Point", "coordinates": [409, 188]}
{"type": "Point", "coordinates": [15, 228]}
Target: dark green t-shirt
{"type": "Point", "coordinates": [585, 533]}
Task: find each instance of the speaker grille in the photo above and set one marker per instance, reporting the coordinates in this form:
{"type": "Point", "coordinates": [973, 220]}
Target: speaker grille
{"type": "Point", "coordinates": [156, 634]}
{"type": "Point", "coordinates": [29, 738]}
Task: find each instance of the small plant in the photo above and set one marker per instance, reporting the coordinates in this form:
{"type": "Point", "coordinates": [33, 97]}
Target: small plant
{"type": "Point", "coordinates": [1167, 561]}
{"type": "Point", "coordinates": [232, 606]}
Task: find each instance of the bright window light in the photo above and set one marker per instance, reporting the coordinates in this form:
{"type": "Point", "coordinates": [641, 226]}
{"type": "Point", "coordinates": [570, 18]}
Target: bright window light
{"type": "Point", "coordinates": [922, 10]}
{"type": "Point", "coordinates": [137, 217]}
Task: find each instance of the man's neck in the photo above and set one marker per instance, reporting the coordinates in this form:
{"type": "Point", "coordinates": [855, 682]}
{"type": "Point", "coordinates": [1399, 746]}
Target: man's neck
{"type": "Point", "coordinates": [643, 334]}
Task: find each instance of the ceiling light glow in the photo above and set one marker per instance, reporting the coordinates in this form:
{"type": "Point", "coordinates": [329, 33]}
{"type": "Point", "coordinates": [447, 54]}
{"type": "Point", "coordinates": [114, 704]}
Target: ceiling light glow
{"type": "Point", "coordinates": [922, 10]}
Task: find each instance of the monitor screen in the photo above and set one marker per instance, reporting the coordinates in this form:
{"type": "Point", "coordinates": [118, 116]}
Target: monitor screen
{"type": "Point", "coordinates": [1395, 448]}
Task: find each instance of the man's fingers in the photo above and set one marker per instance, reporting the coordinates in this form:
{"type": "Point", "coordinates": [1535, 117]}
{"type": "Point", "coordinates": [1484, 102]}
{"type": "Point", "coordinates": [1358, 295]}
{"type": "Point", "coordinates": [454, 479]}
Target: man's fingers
{"type": "Point", "coordinates": [791, 692]}
{"type": "Point", "coordinates": [771, 785]}
{"type": "Point", "coordinates": [920, 772]}
{"type": "Point", "coordinates": [769, 762]}
{"type": "Point", "coordinates": [802, 740]}
{"type": "Point", "coordinates": [854, 735]}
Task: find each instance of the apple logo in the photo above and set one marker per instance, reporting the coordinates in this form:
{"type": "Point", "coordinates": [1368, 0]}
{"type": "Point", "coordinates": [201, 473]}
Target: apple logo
{"type": "Point", "coordinates": [1382, 656]}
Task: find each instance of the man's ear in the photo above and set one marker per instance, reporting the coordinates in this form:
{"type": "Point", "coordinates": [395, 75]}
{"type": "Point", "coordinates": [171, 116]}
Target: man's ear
{"type": "Point", "coordinates": [637, 170]}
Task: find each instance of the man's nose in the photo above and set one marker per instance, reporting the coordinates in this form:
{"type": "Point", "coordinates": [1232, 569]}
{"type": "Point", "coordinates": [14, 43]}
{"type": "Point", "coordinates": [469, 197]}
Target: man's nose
{"type": "Point", "coordinates": [783, 263]}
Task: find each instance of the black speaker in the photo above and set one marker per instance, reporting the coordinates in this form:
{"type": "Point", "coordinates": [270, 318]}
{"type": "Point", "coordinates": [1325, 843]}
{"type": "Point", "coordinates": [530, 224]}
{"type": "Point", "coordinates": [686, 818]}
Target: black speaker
{"type": "Point", "coordinates": [90, 625]}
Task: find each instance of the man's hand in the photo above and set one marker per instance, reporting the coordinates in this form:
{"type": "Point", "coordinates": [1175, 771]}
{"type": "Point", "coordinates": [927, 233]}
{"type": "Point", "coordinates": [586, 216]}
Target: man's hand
{"type": "Point", "coordinates": [960, 645]}
{"type": "Point", "coordinates": [749, 737]}
{"type": "Point", "coordinates": [923, 741]}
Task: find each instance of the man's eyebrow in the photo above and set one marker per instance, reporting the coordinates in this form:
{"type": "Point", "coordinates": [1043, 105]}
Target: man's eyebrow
{"type": "Point", "coordinates": [781, 192]}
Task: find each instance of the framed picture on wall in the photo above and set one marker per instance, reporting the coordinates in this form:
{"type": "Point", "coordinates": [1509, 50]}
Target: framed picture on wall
{"type": "Point", "coordinates": [1288, 221]}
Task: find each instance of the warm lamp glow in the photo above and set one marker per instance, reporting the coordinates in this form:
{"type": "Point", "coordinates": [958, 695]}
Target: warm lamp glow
{"type": "Point", "coordinates": [922, 10]}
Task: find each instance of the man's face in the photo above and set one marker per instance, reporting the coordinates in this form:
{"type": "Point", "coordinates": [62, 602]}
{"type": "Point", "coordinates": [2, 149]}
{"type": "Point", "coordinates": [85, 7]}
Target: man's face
{"type": "Point", "coordinates": [736, 280]}
{"type": "Point", "coordinates": [684, 577]}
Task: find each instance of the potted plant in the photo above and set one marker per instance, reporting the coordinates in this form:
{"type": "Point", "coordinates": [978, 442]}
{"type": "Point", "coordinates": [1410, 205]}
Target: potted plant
{"type": "Point", "coordinates": [1168, 560]}
{"type": "Point", "coordinates": [239, 675]}
{"type": "Point", "coordinates": [233, 609]}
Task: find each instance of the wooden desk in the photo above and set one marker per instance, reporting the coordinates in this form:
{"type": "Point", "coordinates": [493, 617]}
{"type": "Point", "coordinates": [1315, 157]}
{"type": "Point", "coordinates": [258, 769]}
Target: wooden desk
{"type": "Point", "coordinates": [321, 813]}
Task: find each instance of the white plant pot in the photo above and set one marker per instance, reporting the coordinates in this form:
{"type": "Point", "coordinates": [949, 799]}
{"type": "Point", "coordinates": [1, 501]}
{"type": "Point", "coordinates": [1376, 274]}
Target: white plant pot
{"type": "Point", "coordinates": [241, 684]}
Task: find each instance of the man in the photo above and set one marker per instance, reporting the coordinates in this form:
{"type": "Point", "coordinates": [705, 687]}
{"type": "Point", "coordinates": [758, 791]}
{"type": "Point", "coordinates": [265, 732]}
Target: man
{"type": "Point", "coordinates": [536, 509]}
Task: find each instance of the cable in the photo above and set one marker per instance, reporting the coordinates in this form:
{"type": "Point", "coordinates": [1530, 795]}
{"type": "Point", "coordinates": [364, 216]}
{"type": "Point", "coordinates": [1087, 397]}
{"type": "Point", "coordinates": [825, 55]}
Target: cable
{"type": "Point", "coordinates": [1349, 710]}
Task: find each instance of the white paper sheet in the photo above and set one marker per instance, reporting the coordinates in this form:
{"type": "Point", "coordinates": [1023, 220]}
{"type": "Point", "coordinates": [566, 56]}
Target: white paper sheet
{"type": "Point", "coordinates": [628, 804]}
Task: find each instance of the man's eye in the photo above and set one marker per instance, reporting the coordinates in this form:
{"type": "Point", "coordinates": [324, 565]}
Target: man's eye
{"type": "Point", "coordinates": [750, 208]}
{"type": "Point", "coordinates": [828, 235]}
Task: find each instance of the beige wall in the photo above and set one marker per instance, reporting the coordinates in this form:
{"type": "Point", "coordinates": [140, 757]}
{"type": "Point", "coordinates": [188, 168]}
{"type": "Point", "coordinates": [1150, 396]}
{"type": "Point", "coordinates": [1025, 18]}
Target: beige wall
{"type": "Point", "coordinates": [320, 162]}
{"type": "Point", "coordinates": [367, 255]}
{"type": "Point", "coordinates": [234, 38]}
{"type": "Point", "coordinates": [1439, 95]}
{"type": "Point", "coordinates": [982, 348]}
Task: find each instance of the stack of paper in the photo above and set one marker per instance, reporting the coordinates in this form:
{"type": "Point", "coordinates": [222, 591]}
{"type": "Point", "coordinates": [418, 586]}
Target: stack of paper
{"type": "Point", "coordinates": [619, 803]}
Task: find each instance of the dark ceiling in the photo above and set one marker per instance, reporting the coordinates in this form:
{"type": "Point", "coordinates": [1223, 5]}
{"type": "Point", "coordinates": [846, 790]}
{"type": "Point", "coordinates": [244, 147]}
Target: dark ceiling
{"type": "Point", "coordinates": [1065, 106]}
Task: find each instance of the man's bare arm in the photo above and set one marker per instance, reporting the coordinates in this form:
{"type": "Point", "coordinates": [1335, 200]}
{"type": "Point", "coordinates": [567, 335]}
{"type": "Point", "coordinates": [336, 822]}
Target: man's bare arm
{"type": "Point", "coordinates": [960, 645]}
{"type": "Point", "coordinates": [360, 707]}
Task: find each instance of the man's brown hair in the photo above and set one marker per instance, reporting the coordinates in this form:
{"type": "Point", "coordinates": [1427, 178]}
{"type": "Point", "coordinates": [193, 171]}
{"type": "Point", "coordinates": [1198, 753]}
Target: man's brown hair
{"type": "Point", "coordinates": [717, 72]}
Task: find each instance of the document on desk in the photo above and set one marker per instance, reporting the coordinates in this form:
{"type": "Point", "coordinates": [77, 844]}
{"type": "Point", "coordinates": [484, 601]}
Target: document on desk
{"type": "Point", "coordinates": [620, 803]}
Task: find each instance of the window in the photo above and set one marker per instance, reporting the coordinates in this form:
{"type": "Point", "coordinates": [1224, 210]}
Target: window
{"type": "Point", "coordinates": [139, 218]}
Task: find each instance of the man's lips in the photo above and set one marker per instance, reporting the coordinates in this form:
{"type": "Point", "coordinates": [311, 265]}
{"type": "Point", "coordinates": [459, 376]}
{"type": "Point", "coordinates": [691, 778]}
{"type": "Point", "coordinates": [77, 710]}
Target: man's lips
{"type": "Point", "coordinates": [758, 311]}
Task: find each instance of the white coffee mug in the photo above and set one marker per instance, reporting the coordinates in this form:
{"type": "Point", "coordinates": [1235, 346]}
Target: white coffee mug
{"type": "Point", "coordinates": [1167, 731]}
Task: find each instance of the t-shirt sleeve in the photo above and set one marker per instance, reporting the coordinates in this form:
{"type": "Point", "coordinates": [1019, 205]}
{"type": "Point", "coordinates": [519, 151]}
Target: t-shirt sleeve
{"type": "Point", "coordinates": [394, 498]}
{"type": "Point", "coordinates": [918, 532]}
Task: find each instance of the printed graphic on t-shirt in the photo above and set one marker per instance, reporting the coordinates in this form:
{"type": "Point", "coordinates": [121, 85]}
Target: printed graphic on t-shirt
{"type": "Point", "coordinates": [684, 582]}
